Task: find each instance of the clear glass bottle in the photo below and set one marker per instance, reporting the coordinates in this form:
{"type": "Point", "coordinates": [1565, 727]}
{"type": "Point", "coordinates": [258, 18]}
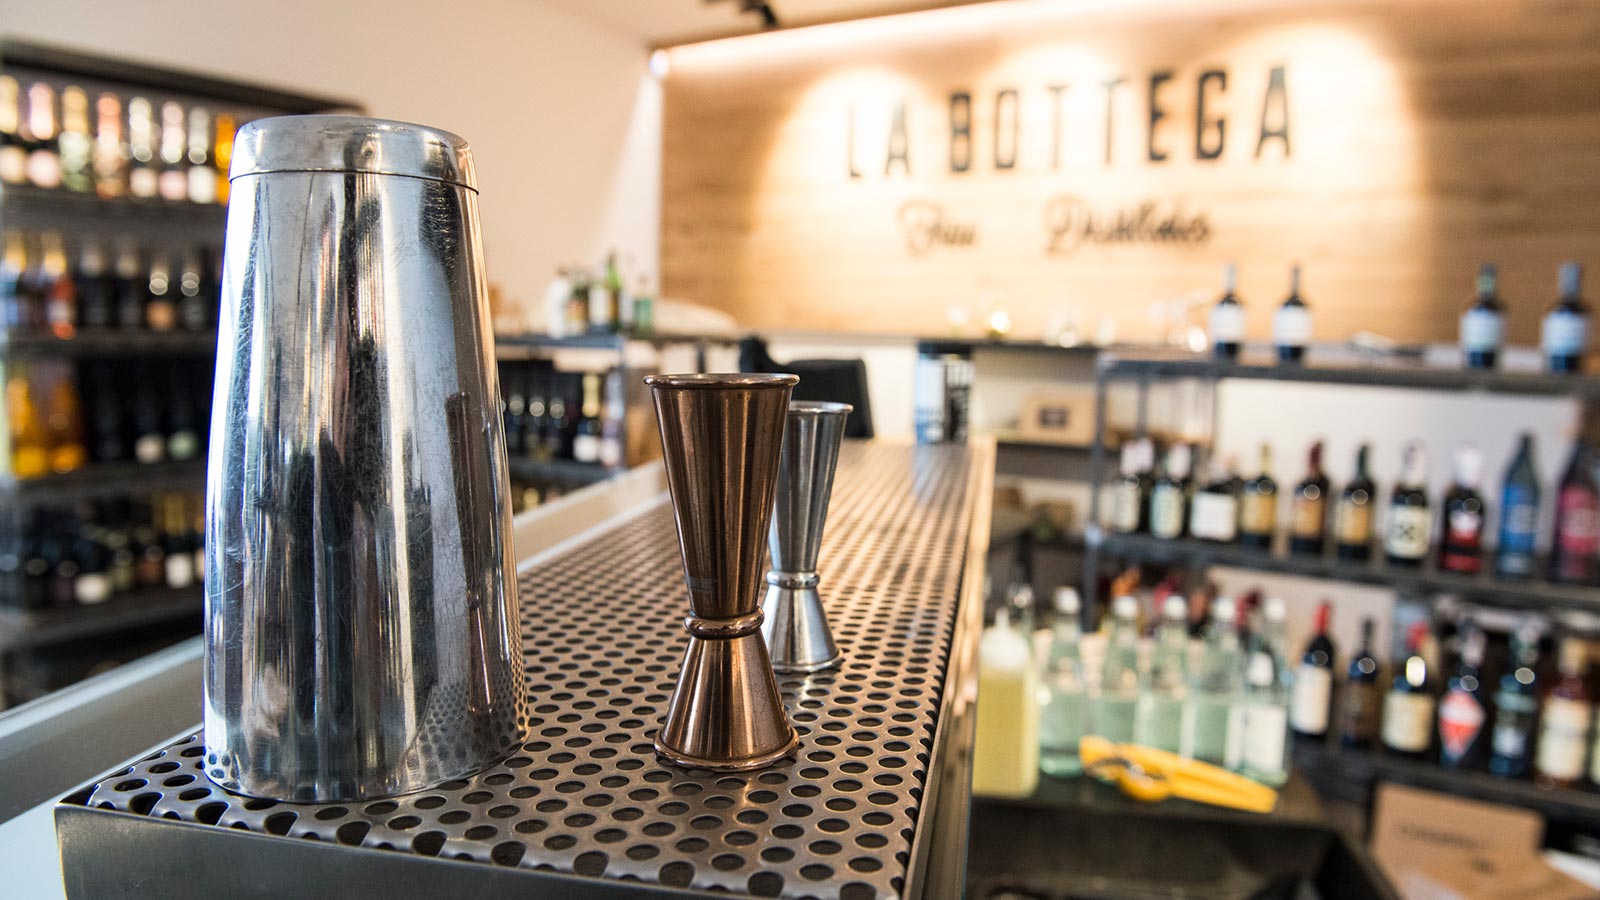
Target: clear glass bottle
{"type": "Point", "coordinates": [1214, 688]}
{"type": "Point", "coordinates": [1263, 747]}
{"type": "Point", "coordinates": [1160, 721]}
{"type": "Point", "coordinates": [1115, 707]}
{"type": "Point", "coordinates": [1063, 697]}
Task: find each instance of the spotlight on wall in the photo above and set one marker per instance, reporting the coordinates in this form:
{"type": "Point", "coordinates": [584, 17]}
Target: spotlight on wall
{"type": "Point", "coordinates": [660, 64]}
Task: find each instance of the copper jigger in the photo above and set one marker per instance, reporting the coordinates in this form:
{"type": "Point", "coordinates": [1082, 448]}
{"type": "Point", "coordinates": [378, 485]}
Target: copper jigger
{"type": "Point", "coordinates": [720, 436]}
{"type": "Point", "coordinates": [796, 628]}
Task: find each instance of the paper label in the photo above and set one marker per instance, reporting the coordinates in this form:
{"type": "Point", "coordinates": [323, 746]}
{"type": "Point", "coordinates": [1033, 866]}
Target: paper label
{"type": "Point", "coordinates": [1407, 534]}
{"type": "Point", "coordinates": [1461, 719]}
{"type": "Point", "coordinates": [1564, 333]}
{"type": "Point", "coordinates": [1482, 330]}
{"type": "Point", "coordinates": [1166, 511]}
{"type": "Point", "coordinates": [1214, 516]}
{"type": "Point", "coordinates": [1564, 738]}
{"type": "Point", "coordinates": [1313, 686]}
{"type": "Point", "coordinates": [1266, 734]}
{"type": "Point", "coordinates": [1227, 323]}
{"type": "Point", "coordinates": [1407, 721]}
{"type": "Point", "coordinates": [1124, 507]}
{"type": "Point", "coordinates": [1291, 326]}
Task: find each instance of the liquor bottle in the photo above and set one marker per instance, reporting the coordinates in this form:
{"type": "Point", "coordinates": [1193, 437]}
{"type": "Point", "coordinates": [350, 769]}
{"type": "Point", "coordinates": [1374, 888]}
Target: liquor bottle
{"type": "Point", "coordinates": [77, 147]}
{"type": "Point", "coordinates": [132, 289]}
{"type": "Point", "coordinates": [1129, 494]}
{"type": "Point", "coordinates": [1258, 506]}
{"type": "Point", "coordinates": [586, 443]}
{"type": "Point", "coordinates": [183, 431]}
{"type": "Point", "coordinates": [1516, 706]}
{"type": "Point", "coordinates": [33, 289]}
{"type": "Point", "coordinates": [44, 156]}
{"type": "Point", "coordinates": [1115, 707]}
{"type": "Point", "coordinates": [63, 583]}
{"type": "Point", "coordinates": [142, 172]}
{"type": "Point", "coordinates": [110, 154]}
{"type": "Point", "coordinates": [202, 179]}
{"type": "Point", "coordinates": [1407, 533]}
{"type": "Point", "coordinates": [150, 555]}
{"type": "Point", "coordinates": [1564, 334]}
{"type": "Point", "coordinates": [1519, 514]}
{"type": "Point", "coordinates": [1160, 719]}
{"type": "Point", "coordinates": [1064, 701]}
{"type": "Point", "coordinates": [150, 438]}
{"type": "Point", "coordinates": [1313, 683]}
{"type": "Point", "coordinates": [161, 305]}
{"type": "Point", "coordinates": [196, 293]}
{"type": "Point", "coordinates": [179, 562]}
{"type": "Point", "coordinates": [93, 584]}
{"type": "Point", "coordinates": [64, 421]}
{"type": "Point", "coordinates": [173, 181]}
{"type": "Point", "coordinates": [1308, 510]}
{"type": "Point", "coordinates": [197, 535]}
{"type": "Point", "coordinates": [577, 308]}
{"type": "Point", "coordinates": [1483, 325]}
{"type": "Point", "coordinates": [1020, 600]}
{"type": "Point", "coordinates": [644, 314]}
{"type": "Point", "coordinates": [1564, 727]}
{"type": "Point", "coordinates": [612, 281]}
{"type": "Point", "coordinates": [516, 411]}
{"type": "Point", "coordinates": [1575, 543]}
{"type": "Point", "coordinates": [1214, 509]}
{"type": "Point", "coordinates": [1461, 519]}
{"type": "Point", "coordinates": [1408, 707]}
{"type": "Point", "coordinates": [110, 437]}
{"type": "Point", "coordinates": [57, 287]}
{"type": "Point", "coordinates": [1463, 737]}
{"type": "Point", "coordinates": [613, 451]}
{"type": "Point", "coordinates": [533, 432]}
{"type": "Point", "coordinates": [1169, 495]}
{"type": "Point", "coordinates": [119, 548]}
{"type": "Point", "coordinates": [13, 155]}
{"type": "Point", "coordinates": [1227, 317]}
{"type": "Point", "coordinates": [1005, 753]}
{"type": "Point", "coordinates": [1214, 688]}
{"type": "Point", "coordinates": [30, 439]}
{"type": "Point", "coordinates": [222, 154]}
{"type": "Point", "coordinates": [96, 291]}
{"type": "Point", "coordinates": [1263, 748]}
{"type": "Point", "coordinates": [1291, 325]}
{"type": "Point", "coordinates": [557, 422]}
{"type": "Point", "coordinates": [1353, 515]}
{"type": "Point", "coordinates": [1361, 701]}
{"type": "Point", "coordinates": [13, 266]}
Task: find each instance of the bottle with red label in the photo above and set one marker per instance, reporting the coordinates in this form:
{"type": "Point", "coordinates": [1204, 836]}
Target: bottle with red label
{"type": "Point", "coordinates": [1461, 531]}
{"type": "Point", "coordinates": [1463, 713]}
{"type": "Point", "coordinates": [1575, 546]}
{"type": "Point", "coordinates": [1563, 749]}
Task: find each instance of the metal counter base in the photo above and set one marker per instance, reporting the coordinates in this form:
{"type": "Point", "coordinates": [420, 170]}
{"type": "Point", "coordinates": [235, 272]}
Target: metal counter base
{"type": "Point", "coordinates": [585, 808]}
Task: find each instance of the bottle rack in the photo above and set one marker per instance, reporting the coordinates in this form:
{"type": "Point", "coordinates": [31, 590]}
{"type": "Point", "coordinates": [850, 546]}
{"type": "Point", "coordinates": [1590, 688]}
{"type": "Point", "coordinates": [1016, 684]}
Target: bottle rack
{"type": "Point", "coordinates": [1334, 768]}
{"type": "Point", "coordinates": [86, 215]}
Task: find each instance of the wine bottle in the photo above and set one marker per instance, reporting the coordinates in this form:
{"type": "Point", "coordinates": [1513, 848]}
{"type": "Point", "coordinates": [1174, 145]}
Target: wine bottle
{"type": "Point", "coordinates": [202, 180]}
{"type": "Point", "coordinates": [1564, 334]}
{"type": "Point", "coordinates": [96, 290]}
{"type": "Point", "coordinates": [13, 155]}
{"type": "Point", "coordinates": [586, 442]}
{"type": "Point", "coordinates": [1361, 703]}
{"type": "Point", "coordinates": [183, 431]}
{"type": "Point", "coordinates": [222, 154]}
{"type": "Point", "coordinates": [1353, 515]}
{"type": "Point", "coordinates": [173, 181]}
{"type": "Point", "coordinates": [150, 437]}
{"type": "Point", "coordinates": [577, 308]}
{"type": "Point", "coordinates": [150, 556]}
{"type": "Point", "coordinates": [63, 579]}
{"type": "Point", "coordinates": [30, 440]}
{"type": "Point", "coordinates": [1408, 708]}
{"type": "Point", "coordinates": [161, 305]}
{"type": "Point", "coordinates": [1291, 325]}
{"type": "Point", "coordinates": [1516, 705]}
{"type": "Point", "coordinates": [1461, 522]}
{"type": "Point", "coordinates": [1408, 531]}
{"type": "Point", "coordinates": [1258, 506]}
{"type": "Point", "coordinates": [57, 288]}
{"type": "Point", "coordinates": [142, 172]}
{"type": "Point", "coordinates": [1309, 508]}
{"type": "Point", "coordinates": [64, 421]}
{"type": "Point", "coordinates": [1129, 494]}
{"type": "Point", "coordinates": [516, 410]}
{"type": "Point", "coordinates": [106, 417]}
{"type": "Point", "coordinates": [195, 291]}
{"type": "Point", "coordinates": [110, 157]}
{"type": "Point", "coordinates": [1313, 683]}
{"type": "Point", "coordinates": [1463, 737]}
{"type": "Point", "coordinates": [13, 271]}
{"type": "Point", "coordinates": [1564, 728]}
{"type": "Point", "coordinates": [557, 421]}
{"type": "Point", "coordinates": [178, 565]}
{"type": "Point", "coordinates": [1227, 317]}
{"type": "Point", "coordinates": [132, 289]}
{"type": "Point", "coordinates": [1575, 544]}
{"type": "Point", "coordinates": [1214, 509]}
{"type": "Point", "coordinates": [1519, 514]}
{"type": "Point", "coordinates": [533, 432]}
{"type": "Point", "coordinates": [93, 584]}
{"type": "Point", "coordinates": [1169, 495]}
{"type": "Point", "coordinates": [76, 146]}
{"type": "Point", "coordinates": [1483, 325]}
{"type": "Point", "coordinates": [613, 411]}
{"type": "Point", "coordinates": [44, 155]}
{"type": "Point", "coordinates": [612, 281]}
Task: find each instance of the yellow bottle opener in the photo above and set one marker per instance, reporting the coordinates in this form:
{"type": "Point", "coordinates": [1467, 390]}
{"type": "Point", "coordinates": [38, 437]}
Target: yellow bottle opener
{"type": "Point", "coordinates": [1145, 773]}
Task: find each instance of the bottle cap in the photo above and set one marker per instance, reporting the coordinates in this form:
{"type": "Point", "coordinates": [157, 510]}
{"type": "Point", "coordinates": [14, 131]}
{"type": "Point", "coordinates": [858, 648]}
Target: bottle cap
{"type": "Point", "coordinates": [1222, 610]}
{"type": "Point", "coordinates": [1274, 609]}
{"type": "Point", "coordinates": [1175, 608]}
{"type": "Point", "coordinates": [1066, 600]}
{"type": "Point", "coordinates": [1125, 607]}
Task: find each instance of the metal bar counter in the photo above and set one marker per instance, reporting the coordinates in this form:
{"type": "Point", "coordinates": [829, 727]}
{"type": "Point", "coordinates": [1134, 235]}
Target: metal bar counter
{"type": "Point", "coordinates": [873, 804]}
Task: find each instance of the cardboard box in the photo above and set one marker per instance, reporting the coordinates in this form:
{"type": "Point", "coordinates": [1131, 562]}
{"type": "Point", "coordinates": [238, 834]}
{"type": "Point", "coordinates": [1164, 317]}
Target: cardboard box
{"type": "Point", "coordinates": [1058, 416]}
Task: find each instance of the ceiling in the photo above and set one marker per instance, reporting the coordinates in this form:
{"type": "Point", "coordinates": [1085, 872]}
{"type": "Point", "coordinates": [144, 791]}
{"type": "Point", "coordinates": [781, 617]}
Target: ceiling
{"type": "Point", "coordinates": [664, 22]}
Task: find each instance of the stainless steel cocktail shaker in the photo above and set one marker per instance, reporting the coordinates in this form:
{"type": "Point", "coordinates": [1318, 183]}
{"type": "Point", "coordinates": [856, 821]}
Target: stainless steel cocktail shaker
{"type": "Point", "coordinates": [360, 579]}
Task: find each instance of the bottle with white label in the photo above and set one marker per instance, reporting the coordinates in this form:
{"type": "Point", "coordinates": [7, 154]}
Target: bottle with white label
{"type": "Point", "coordinates": [1407, 534]}
{"type": "Point", "coordinates": [1516, 705]}
{"type": "Point", "coordinates": [1214, 509]}
{"type": "Point", "coordinates": [1483, 325]}
{"type": "Point", "coordinates": [1291, 324]}
{"type": "Point", "coordinates": [1169, 495]}
{"type": "Point", "coordinates": [1227, 317]}
{"type": "Point", "coordinates": [1214, 689]}
{"type": "Point", "coordinates": [1127, 494]}
{"type": "Point", "coordinates": [1408, 707]}
{"type": "Point", "coordinates": [1160, 721]}
{"type": "Point", "coordinates": [1313, 683]}
{"type": "Point", "coordinates": [1264, 713]}
{"type": "Point", "coordinates": [1564, 334]}
{"type": "Point", "coordinates": [1564, 729]}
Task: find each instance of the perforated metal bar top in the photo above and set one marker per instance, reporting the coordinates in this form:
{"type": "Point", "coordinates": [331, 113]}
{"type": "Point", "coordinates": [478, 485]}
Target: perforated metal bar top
{"type": "Point", "coordinates": [603, 635]}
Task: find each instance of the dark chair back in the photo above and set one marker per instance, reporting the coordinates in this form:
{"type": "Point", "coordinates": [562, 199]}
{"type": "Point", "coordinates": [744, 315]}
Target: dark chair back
{"type": "Point", "coordinates": [835, 380]}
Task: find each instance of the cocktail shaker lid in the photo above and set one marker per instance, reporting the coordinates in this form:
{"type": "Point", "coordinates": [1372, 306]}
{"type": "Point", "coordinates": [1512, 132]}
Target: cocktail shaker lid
{"type": "Point", "coordinates": [352, 144]}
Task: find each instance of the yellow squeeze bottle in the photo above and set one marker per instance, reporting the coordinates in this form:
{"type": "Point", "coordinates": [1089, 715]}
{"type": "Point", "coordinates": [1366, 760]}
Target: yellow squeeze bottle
{"type": "Point", "coordinates": [1005, 757]}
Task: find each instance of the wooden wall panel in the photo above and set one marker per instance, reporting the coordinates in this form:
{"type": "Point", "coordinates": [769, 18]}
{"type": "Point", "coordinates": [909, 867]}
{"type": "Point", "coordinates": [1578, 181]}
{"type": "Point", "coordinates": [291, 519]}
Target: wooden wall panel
{"type": "Point", "coordinates": [1424, 137]}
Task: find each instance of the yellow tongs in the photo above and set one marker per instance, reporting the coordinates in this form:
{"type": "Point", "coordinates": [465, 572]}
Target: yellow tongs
{"type": "Point", "coordinates": [1145, 773]}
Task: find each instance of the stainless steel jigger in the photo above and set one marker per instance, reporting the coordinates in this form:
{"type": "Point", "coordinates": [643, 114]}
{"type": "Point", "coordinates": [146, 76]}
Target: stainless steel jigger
{"type": "Point", "coordinates": [720, 436]}
{"type": "Point", "coordinates": [361, 623]}
{"type": "Point", "coordinates": [795, 626]}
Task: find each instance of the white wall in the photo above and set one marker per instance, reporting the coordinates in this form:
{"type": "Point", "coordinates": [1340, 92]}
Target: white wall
{"type": "Point", "coordinates": [562, 115]}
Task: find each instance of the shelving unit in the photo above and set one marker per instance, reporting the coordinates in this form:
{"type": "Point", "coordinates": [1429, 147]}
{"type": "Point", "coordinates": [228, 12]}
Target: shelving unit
{"type": "Point", "coordinates": [160, 222]}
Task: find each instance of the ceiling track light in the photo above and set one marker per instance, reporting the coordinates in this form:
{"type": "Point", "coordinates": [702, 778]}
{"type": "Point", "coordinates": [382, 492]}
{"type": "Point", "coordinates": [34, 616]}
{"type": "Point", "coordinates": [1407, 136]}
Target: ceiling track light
{"type": "Point", "coordinates": [762, 8]}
